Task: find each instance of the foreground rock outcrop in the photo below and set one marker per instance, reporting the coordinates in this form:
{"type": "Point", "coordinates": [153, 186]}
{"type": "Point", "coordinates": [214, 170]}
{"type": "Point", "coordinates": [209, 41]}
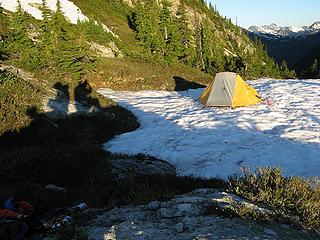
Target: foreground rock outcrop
{"type": "Point", "coordinates": [202, 214]}
{"type": "Point", "coordinates": [123, 167]}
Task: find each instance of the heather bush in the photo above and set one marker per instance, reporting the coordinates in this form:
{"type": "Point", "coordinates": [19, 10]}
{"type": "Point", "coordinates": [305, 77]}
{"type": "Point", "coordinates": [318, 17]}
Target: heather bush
{"type": "Point", "coordinates": [294, 195]}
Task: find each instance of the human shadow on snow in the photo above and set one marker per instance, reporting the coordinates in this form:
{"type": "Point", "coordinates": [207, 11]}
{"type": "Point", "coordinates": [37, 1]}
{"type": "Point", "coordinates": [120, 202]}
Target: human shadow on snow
{"type": "Point", "coordinates": [64, 151]}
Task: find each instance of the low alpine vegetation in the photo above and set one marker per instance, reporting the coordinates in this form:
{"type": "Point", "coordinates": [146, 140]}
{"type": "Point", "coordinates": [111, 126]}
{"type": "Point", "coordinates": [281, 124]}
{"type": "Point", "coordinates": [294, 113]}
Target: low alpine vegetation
{"type": "Point", "coordinates": [294, 195]}
{"type": "Point", "coordinates": [16, 96]}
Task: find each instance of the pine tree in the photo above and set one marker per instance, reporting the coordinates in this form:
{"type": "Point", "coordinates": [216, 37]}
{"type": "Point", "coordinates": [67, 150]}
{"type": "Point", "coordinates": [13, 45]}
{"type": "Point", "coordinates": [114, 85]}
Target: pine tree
{"type": "Point", "coordinates": [154, 41]}
{"type": "Point", "coordinates": [19, 42]}
{"type": "Point", "coordinates": [165, 18]}
{"type": "Point", "coordinates": [207, 50]}
{"type": "Point", "coordinates": [94, 31]}
{"type": "Point", "coordinates": [148, 28]}
{"type": "Point", "coordinates": [198, 37]}
{"type": "Point", "coordinates": [46, 32]}
{"type": "Point", "coordinates": [218, 58]}
{"type": "Point", "coordinates": [255, 60]}
{"type": "Point", "coordinates": [285, 71]}
{"type": "Point", "coordinates": [19, 35]}
{"type": "Point", "coordinates": [140, 21]}
{"type": "Point", "coordinates": [314, 69]}
{"type": "Point", "coordinates": [46, 23]}
{"type": "Point", "coordinates": [185, 34]}
{"type": "Point", "coordinates": [165, 23]}
{"type": "Point", "coordinates": [172, 47]}
{"type": "Point", "coordinates": [58, 25]}
{"type": "Point", "coordinates": [68, 54]}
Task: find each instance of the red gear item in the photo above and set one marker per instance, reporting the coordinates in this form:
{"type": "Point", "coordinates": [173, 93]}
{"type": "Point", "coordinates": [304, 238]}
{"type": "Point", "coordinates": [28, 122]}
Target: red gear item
{"type": "Point", "coordinates": [5, 213]}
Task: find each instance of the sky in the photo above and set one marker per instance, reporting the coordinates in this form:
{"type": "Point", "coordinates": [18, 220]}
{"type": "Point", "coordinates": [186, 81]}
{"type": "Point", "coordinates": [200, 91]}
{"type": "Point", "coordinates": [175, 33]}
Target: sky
{"type": "Point", "coordinates": [264, 12]}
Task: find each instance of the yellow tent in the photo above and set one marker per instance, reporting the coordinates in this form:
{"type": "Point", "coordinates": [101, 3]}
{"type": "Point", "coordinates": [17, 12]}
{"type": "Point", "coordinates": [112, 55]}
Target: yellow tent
{"type": "Point", "coordinates": [229, 90]}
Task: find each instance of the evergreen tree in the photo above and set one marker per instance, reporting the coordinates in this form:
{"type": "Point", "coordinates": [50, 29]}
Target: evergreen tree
{"type": "Point", "coordinates": [148, 28]}
{"type": "Point", "coordinates": [46, 31]}
{"type": "Point", "coordinates": [207, 50]}
{"type": "Point", "coordinates": [218, 59]}
{"type": "Point", "coordinates": [19, 35]}
{"type": "Point", "coordinates": [19, 42]}
{"type": "Point", "coordinates": [198, 37]}
{"type": "Point", "coordinates": [255, 60]}
{"type": "Point", "coordinates": [285, 72]}
{"type": "Point", "coordinates": [165, 23]}
{"type": "Point", "coordinates": [68, 54]}
{"type": "Point", "coordinates": [165, 18]}
{"type": "Point", "coordinates": [314, 69]}
{"type": "Point", "coordinates": [211, 8]}
{"type": "Point", "coordinates": [185, 34]}
{"type": "Point", "coordinates": [94, 31]}
{"type": "Point", "coordinates": [59, 24]}
{"type": "Point", "coordinates": [154, 40]}
{"type": "Point", "coordinates": [45, 24]}
{"type": "Point", "coordinates": [140, 21]}
{"type": "Point", "coordinates": [172, 48]}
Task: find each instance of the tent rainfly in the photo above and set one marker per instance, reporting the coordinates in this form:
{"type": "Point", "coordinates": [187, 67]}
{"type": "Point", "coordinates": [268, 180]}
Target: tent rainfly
{"type": "Point", "coordinates": [229, 90]}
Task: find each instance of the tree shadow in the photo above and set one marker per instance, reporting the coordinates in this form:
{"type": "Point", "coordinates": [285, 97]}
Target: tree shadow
{"type": "Point", "coordinates": [131, 19]}
{"type": "Point", "coordinates": [182, 84]}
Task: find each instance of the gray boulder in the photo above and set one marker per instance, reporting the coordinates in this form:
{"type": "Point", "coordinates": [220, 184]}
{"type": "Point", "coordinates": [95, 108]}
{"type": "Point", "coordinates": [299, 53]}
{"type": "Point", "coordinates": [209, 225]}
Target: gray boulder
{"type": "Point", "coordinates": [197, 215]}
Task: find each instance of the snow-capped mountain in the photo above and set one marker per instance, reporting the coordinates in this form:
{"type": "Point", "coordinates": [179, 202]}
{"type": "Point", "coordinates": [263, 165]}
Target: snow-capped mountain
{"type": "Point", "coordinates": [298, 46]}
{"type": "Point", "coordinates": [315, 26]}
{"type": "Point", "coordinates": [273, 30]}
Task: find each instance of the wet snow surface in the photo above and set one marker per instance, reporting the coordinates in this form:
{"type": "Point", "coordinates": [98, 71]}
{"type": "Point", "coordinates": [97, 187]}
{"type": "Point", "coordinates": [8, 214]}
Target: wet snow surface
{"type": "Point", "coordinates": [219, 141]}
{"type": "Point", "coordinates": [69, 9]}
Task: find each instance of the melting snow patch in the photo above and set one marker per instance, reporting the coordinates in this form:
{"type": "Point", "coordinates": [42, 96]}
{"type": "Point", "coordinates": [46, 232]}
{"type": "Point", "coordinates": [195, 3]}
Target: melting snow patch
{"type": "Point", "coordinates": [70, 10]}
{"type": "Point", "coordinates": [219, 141]}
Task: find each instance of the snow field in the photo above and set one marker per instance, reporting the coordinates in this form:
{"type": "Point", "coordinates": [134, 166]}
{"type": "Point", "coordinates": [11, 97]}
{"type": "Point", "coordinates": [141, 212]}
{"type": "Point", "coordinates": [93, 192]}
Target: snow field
{"type": "Point", "coordinates": [219, 141]}
{"type": "Point", "coordinates": [70, 10]}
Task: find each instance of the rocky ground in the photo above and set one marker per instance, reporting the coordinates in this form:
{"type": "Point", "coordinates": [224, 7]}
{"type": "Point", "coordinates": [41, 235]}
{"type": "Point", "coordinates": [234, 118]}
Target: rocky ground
{"type": "Point", "coordinates": [201, 214]}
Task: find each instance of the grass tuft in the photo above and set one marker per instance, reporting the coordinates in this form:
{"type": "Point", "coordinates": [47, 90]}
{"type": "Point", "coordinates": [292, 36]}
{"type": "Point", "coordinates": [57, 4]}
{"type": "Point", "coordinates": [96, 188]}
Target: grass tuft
{"type": "Point", "coordinates": [294, 195]}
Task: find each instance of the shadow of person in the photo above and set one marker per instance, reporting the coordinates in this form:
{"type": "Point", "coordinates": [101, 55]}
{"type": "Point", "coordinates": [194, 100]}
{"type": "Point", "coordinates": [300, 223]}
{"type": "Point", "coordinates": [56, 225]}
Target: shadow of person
{"type": "Point", "coordinates": [60, 104]}
{"type": "Point", "coordinates": [83, 95]}
{"type": "Point", "coordinates": [182, 84]}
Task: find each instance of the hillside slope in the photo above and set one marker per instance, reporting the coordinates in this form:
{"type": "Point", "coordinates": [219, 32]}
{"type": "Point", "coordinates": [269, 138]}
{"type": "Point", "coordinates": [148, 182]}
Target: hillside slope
{"type": "Point", "coordinates": [223, 46]}
{"type": "Point", "coordinates": [188, 35]}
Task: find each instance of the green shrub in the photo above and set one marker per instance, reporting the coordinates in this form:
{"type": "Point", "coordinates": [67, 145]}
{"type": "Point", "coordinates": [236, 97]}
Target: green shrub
{"type": "Point", "coordinates": [16, 96]}
{"type": "Point", "coordinates": [294, 195]}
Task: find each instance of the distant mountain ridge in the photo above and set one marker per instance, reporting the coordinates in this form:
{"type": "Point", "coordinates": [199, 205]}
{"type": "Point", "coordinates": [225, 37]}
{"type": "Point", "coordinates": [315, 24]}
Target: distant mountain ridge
{"type": "Point", "coordinates": [275, 31]}
{"type": "Point", "coordinates": [298, 46]}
